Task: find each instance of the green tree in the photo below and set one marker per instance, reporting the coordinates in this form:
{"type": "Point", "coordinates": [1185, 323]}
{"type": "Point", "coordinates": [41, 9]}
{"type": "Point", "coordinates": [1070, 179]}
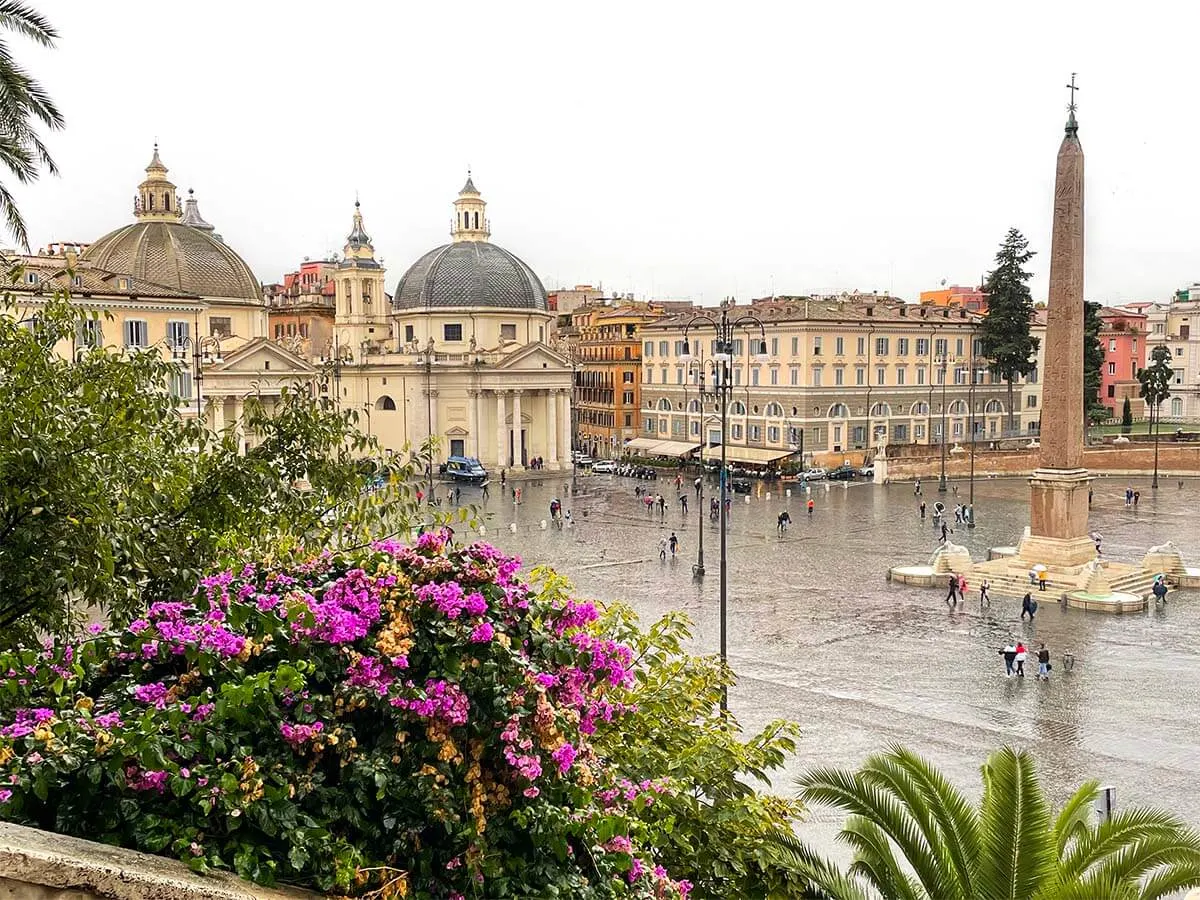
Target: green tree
{"type": "Point", "coordinates": [1155, 381]}
{"type": "Point", "coordinates": [23, 104]}
{"type": "Point", "coordinates": [1004, 334]}
{"type": "Point", "coordinates": [916, 836]}
{"type": "Point", "coordinates": [714, 827]}
{"type": "Point", "coordinates": [1093, 361]}
{"type": "Point", "coordinates": [111, 499]}
{"type": "Point", "coordinates": [1126, 417]}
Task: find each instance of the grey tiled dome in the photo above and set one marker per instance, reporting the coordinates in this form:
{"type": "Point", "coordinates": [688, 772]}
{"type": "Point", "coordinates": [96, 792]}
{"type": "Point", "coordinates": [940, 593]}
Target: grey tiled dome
{"type": "Point", "coordinates": [175, 255]}
{"type": "Point", "coordinates": [470, 273]}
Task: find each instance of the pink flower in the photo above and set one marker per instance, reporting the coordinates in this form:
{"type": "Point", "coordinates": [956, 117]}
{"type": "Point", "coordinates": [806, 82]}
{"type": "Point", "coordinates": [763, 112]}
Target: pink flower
{"type": "Point", "coordinates": [531, 792]}
{"type": "Point", "coordinates": [564, 756]}
{"type": "Point", "coordinates": [154, 693]}
{"type": "Point", "coordinates": [483, 633]}
{"type": "Point", "coordinates": [5, 795]}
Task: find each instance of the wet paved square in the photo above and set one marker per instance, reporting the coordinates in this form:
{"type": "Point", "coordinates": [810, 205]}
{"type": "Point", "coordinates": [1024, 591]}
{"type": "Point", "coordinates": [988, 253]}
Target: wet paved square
{"type": "Point", "coordinates": [817, 634]}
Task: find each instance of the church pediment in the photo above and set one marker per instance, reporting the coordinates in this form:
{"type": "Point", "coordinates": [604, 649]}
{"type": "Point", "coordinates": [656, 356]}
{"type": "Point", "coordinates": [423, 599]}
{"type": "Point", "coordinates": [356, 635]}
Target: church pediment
{"type": "Point", "coordinates": [457, 431]}
{"type": "Point", "coordinates": [261, 355]}
{"type": "Point", "coordinates": [533, 357]}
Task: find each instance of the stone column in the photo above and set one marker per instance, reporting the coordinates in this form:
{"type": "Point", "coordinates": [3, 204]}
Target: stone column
{"type": "Point", "coordinates": [552, 427]}
{"type": "Point", "coordinates": [501, 430]}
{"type": "Point", "coordinates": [239, 429]}
{"type": "Point", "coordinates": [1058, 489]}
{"type": "Point", "coordinates": [473, 421]}
{"type": "Point", "coordinates": [432, 415]}
{"type": "Point", "coordinates": [217, 405]}
{"type": "Point", "coordinates": [516, 429]}
{"type": "Point", "coordinates": [564, 423]}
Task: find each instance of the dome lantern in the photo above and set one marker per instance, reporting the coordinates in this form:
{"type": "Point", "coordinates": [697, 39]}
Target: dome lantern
{"type": "Point", "coordinates": [470, 214]}
{"type": "Point", "coordinates": [156, 200]}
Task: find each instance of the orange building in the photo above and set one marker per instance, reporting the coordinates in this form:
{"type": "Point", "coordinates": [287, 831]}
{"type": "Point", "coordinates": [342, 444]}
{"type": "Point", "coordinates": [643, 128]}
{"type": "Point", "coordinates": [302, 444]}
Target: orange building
{"type": "Point", "coordinates": [301, 310]}
{"type": "Point", "coordinates": [1123, 338]}
{"type": "Point", "coordinates": [969, 298]}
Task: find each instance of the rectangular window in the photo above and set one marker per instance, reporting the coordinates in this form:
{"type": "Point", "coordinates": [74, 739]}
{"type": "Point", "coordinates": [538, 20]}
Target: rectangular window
{"type": "Point", "coordinates": [662, 426]}
{"type": "Point", "coordinates": [1112, 368]}
{"type": "Point", "coordinates": [920, 376]}
{"type": "Point", "coordinates": [628, 420]}
{"type": "Point", "coordinates": [739, 347]}
{"type": "Point", "coordinates": [839, 348]}
{"type": "Point", "coordinates": [880, 374]}
{"type": "Point", "coordinates": [88, 333]}
{"type": "Point", "coordinates": [774, 346]}
{"type": "Point", "coordinates": [902, 346]}
{"type": "Point", "coordinates": [1031, 401]}
{"type": "Point", "coordinates": [941, 376]}
{"type": "Point", "coordinates": [860, 375]}
{"type": "Point", "coordinates": [648, 348]}
{"type": "Point", "coordinates": [858, 434]}
{"type": "Point", "coordinates": [901, 376]}
{"type": "Point", "coordinates": [754, 376]}
{"type": "Point", "coordinates": [1112, 344]}
{"type": "Point", "coordinates": [736, 431]}
{"type": "Point", "coordinates": [1112, 390]}
{"type": "Point", "coordinates": [958, 429]}
{"type": "Point", "coordinates": [900, 433]}
{"type": "Point", "coordinates": [508, 332]}
{"type": "Point", "coordinates": [220, 326]}
{"type": "Point", "coordinates": [881, 346]}
{"type": "Point", "coordinates": [795, 346]}
{"type": "Point", "coordinates": [409, 334]}
{"type": "Point", "coordinates": [679, 374]}
{"type": "Point", "coordinates": [773, 434]}
{"type": "Point", "coordinates": [679, 348]}
{"type": "Point", "coordinates": [278, 334]}
{"type": "Point", "coordinates": [774, 376]}
{"type": "Point", "coordinates": [452, 332]}
{"type": "Point", "coordinates": [795, 376]}
{"type": "Point", "coordinates": [977, 347]}
{"type": "Point", "coordinates": [1032, 377]}
{"type": "Point", "coordinates": [862, 346]}
{"type": "Point", "coordinates": [649, 375]}
{"type": "Point", "coordinates": [1135, 345]}
{"type": "Point", "coordinates": [960, 375]}
{"type": "Point", "coordinates": [737, 375]}
{"type": "Point", "coordinates": [958, 347]}
{"type": "Point", "coordinates": [627, 397]}
{"type": "Point", "coordinates": [816, 376]}
{"type": "Point", "coordinates": [627, 377]}
{"type": "Point", "coordinates": [177, 332]}
{"type": "Point", "coordinates": [755, 433]}
{"type": "Point", "coordinates": [940, 348]}
{"type": "Point", "coordinates": [918, 431]}
{"type": "Point", "coordinates": [839, 375]}
{"type": "Point", "coordinates": [817, 345]}
{"type": "Point", "coordinates": [181, 384]}
{"type": "Point", "coordinates": [922, 346]}
{"type": "Point", "coordinates": [137, 333]}
{"type": "Point", "coordinates": [664, 348]}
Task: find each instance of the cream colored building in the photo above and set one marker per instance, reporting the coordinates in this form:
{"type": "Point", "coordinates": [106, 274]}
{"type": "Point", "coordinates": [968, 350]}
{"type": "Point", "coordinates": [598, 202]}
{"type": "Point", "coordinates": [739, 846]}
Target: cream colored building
{"type": "Point", "coordinates": [842, 377]}
{"type": "Point", "coordinates": [167, 282]}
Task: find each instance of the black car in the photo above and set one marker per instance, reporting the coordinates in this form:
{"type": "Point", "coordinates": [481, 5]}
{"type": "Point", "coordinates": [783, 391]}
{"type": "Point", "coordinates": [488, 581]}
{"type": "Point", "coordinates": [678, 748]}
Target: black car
{"type": "Point", "coordinates": [740, 485]}
{"type": "Point", "coordinates": [843, 473]}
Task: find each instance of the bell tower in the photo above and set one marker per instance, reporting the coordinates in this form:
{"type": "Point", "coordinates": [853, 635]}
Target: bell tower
{"type": "Point", "coordinates": [156, 200]}
{"type": "Point", "coordinates": [470, 215]}
{"type": "Point", "coordinates": [360, 305]}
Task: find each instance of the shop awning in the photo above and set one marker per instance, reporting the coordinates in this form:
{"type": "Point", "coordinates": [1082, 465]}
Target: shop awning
{"type": "Point", "coordinates": [758, 456]}
{"type": "Point", "coordinates": [654, 447]}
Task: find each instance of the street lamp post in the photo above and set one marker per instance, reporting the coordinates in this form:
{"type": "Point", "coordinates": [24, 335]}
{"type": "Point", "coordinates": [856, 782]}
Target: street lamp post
{"type": "Point", "coordinates": [971, 403]}
{"type": "Point", "coordinates": [204, 350]}
{"type": "Point", "coordinates": [942, 480]}
{"type": "Point", "coordinates": [722, 387]}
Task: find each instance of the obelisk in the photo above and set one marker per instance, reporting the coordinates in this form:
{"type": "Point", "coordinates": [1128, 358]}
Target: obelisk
{"type": "Point", "coordinates": [1058, 489]}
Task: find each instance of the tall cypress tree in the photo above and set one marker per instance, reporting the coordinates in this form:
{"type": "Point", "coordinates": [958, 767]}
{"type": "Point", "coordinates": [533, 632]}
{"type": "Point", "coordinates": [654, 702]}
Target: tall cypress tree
{"type": "Point", "coordinates": [1093, 360]}
{"type": "Point", "coordinates": [1004, 334]}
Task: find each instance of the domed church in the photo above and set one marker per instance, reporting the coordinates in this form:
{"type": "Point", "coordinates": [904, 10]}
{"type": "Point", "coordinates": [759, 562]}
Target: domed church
{"type": "Point", "coordinates": [463, 357]}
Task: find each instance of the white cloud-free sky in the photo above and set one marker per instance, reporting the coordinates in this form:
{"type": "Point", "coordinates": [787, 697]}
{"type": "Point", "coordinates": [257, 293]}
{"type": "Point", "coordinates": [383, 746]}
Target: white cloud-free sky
{"type": "Point", "coordinates": [669, 149]}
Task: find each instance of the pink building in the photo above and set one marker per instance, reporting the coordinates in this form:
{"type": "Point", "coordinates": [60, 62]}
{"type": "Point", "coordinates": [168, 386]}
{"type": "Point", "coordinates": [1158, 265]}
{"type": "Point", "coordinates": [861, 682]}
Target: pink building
{"type": "Point", "coordinates": [1123, 337]}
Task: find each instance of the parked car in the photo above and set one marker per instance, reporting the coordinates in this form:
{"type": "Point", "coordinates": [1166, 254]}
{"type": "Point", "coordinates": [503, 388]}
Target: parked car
{"type": "Point", "coordinates": [604, 467]}
{"type": "Point", "coordinates": [465, 469]}
{"type": "Point", "coordinates": [843, 473]}
{"type": "Point", "coordinates": [867, 471]}
{"type": "Point", "coordinates": [816, 473]}
{"type": "Point", "coordinates": [584, 462]}
{"type": "Point", "coordinates": [740, 485]}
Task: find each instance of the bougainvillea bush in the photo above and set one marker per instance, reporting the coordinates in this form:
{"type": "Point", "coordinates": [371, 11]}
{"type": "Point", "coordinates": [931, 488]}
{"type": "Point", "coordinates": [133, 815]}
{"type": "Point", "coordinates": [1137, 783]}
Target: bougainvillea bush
{"type": "Point", "coordinates": [400, 721]}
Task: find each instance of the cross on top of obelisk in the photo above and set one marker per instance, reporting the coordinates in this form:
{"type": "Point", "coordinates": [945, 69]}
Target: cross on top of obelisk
{"type": "Point", "coordinates": [1072, 125]}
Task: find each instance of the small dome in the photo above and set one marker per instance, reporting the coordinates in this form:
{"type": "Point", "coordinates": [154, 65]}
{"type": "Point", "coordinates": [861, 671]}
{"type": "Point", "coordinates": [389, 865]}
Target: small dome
{"type": "Point", "coordinates": [176, 255]}
{"type": "Point", "coordinates": [470, 273]}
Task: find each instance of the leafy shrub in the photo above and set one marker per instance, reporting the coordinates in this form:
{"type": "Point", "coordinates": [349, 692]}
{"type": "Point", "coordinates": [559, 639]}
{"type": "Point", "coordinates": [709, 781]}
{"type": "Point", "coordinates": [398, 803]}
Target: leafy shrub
{"type": "Point", "coordinates": [403, 721]}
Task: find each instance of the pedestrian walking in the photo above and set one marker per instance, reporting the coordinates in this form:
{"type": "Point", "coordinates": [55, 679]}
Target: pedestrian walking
{"type": "Point", "coordinates": [917, 488]}
{"type": "Point", "coordinates": [485, 490]}
{"type": "Point", "coordinates": [811, 505]}
{"type": "Point", "coordinates": [1089, 498]}
{"type": "Point", "coordinates": [952, 596]}
{"type": "Point", "coordinates": [662, 549]}
{"type": "Point", "coordinates": [957, 514]}
{"type": "Point", "coordinates": [1028, 606]}
{"type": "Point", "coordinates": [1021, 654]}
{"type": "Point", "coordinates": [503, 477]}
{"type": "Point", "coordinates": [1160, 589]}
{"type": "Point", "coordinates": [713, 509]}
{"type": "Point", "coordinates": [1043, 663]}
{"type": "Point", "coordinates": [1137, 495]}
{"type": "Point", "coordinates": [697, 486]}
{"type": "Point", "coordinates": [683, 503]}
{"type": "Point", "coordinates": [984, 599]}
{"type": "Point", "coordinates": [945, 531]}
{"type": "Point", "coordinates": [783, 522]}
{"type": "Point", "coordinates": [962, 588]}
{"type": "Point", "coordinates": [1010, 656]}
{"type": "Point", "coordinates": [674, 542]}
{"type": "Point", "coordinates": [1042, 578]}
{"type": "Point", "coordinates": [1096, 538]}
{"type": "Point", "coordinates": [922, 509]}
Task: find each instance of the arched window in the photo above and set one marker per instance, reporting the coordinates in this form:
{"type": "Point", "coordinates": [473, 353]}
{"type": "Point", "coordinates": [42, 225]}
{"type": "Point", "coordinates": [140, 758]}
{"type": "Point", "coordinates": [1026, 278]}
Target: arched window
{"type": "Point", "coordinates": [738, 408]}
{"type": "Point", "coordinates": [151, 198]}
{"type": "Point", "coordinates": [386, 402]}
{"type": "Point", "coordinates": [993, 406]}
{"type": "Point", "coordinates": [774, 411]}
{"type": "Point", "coordinates": [920, 409]}
{"type": "Point", "coordinates": [839, 411]}
{"type": "Point", "coordinates": [958, 408]}
{"type": "Point", "coordinates": [476, 220]}
{"type": "Point", "coordinates": [1176, 406]}
{"type": "Point", "coordinates": [167, 202]}
{"type": "Point", "coordinates": [694, 406]}
{"type": "Point", "coordinates": [881, 411]}
{"type": "Point", "coordinates": [664, 404]}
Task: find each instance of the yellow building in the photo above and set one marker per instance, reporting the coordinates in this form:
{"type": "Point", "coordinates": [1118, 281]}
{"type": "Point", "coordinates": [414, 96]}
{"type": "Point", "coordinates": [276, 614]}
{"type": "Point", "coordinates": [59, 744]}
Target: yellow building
{"type": "Point", "coordinates": [168, 282]}
{"type": "Point", "coordinates": [606, 345]}
{"type": "Point", "coordinates": [841, 378]}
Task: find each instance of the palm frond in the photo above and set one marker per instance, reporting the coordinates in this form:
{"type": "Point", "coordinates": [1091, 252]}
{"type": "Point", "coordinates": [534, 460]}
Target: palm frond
{"type": "Point", "coordinates": [875, 860]}
{"type": "Point", "coordinates": [1075, 816]}
{"type": "Point", "coordinates": [1127, 828]}
{"type": "Point", "coordinates": [12, 217]}
{"type": "Point", "coordinates": [823, 876]}
{"type": "Point", "coordinates": [1014, 827]}
{"type": "Point", "coordinates": [1170, 881]}
{"type": "Point", "coordinates": [26, 20]}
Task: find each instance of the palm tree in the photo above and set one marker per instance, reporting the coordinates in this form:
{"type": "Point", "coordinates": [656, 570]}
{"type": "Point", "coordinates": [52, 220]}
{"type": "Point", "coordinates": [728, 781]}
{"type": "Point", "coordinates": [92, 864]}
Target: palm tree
{"type": "Point", "coordinates": [23, 103]}
{"type": "Point", "coordinates": [915, 836]}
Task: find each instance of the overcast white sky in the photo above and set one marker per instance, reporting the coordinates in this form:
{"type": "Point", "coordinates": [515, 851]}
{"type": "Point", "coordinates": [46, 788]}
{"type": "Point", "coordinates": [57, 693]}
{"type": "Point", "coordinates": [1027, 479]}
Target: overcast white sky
{"type": "Point", "coordinates": [669, 149]}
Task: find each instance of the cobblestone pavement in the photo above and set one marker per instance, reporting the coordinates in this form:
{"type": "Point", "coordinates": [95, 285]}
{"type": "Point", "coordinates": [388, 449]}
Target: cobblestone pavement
{"type": "Point", "coordinates": [818, 635]}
